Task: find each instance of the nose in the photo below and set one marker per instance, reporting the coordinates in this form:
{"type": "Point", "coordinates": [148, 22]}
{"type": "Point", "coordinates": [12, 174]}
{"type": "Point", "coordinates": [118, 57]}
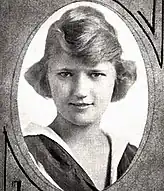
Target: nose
{"type": "Point", "coordinates": [81, 86]}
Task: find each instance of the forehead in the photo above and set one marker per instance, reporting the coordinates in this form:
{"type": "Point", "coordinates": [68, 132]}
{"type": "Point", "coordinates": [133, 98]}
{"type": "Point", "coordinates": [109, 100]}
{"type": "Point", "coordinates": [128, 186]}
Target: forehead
{"type": "Point", "coordinates": [66, 61]}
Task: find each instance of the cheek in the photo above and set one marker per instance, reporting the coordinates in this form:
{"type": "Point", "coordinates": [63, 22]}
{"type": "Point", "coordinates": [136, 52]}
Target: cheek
{"type": "Point", "coordinates": [107, 86]}
{"type": "Point", "coordinates": [59, 90]}
{"type": "Point", "coordinates": [104, 92]}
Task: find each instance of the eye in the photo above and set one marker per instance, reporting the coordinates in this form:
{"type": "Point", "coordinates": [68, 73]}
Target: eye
{"type": "Point", "coordinates": [97, 74]}
{"type": "Point", "coordinates": [65, 74]}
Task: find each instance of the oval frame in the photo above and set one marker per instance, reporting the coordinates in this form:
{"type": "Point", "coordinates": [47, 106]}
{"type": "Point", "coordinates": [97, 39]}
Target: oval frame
{"type": "Point", "coordinates": [15, 135]}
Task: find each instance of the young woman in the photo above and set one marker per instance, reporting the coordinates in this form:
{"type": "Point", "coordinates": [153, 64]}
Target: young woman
{"type": "Point", "coordinates": [82, 71]}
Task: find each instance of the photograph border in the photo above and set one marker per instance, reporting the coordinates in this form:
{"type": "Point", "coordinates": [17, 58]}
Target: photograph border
{"type": "Point", "coordinates": [153, 63]}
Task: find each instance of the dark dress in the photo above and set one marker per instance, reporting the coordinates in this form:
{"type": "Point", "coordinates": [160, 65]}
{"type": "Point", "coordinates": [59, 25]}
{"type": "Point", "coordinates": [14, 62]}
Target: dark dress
{"type": "Point", "coordinates": [63, 168]}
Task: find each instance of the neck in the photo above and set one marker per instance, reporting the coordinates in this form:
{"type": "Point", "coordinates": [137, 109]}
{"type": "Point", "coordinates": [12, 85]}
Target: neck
{"type": "Point", "coordinates": [71, 132]}
{"type": "Point", "coordinates": [87, 143]}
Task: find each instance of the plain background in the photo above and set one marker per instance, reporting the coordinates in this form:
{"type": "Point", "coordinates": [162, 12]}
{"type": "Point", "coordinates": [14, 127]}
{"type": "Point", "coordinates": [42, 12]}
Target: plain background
{"type": "Point", "coordinates": [124, 119]}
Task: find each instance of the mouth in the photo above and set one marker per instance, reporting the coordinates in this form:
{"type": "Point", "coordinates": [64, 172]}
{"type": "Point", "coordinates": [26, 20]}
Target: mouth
{"type": "Point", "coordinates": [81, 105]}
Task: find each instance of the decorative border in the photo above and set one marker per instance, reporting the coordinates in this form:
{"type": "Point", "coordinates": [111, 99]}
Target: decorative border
{"type": "Point", "coordinates": [159, 56]}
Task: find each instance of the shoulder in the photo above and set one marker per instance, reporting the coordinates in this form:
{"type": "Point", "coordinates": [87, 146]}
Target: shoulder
{"type": "Point", "coordinates": [33, 133]}
{"type": "Point", "coordinates": [37, 137]}
{"type": "Point", "coordinates": [126, 159]}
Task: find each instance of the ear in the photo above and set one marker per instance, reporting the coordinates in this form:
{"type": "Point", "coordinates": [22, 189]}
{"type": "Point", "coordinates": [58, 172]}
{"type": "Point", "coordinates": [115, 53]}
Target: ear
{"type": "Point", "coordinates": [126, 76]}
{"type": "Point", "coordinates": [36, 76]}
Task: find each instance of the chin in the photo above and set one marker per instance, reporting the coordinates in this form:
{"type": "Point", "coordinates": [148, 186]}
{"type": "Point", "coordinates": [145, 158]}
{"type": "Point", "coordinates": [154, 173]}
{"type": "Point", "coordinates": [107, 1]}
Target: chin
{"type": "Point", "coordinates": [83, 121]}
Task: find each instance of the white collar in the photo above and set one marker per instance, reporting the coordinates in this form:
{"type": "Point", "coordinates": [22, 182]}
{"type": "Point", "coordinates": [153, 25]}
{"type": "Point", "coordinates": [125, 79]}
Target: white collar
{"type": "Point", "coordinates": [35, 129]}
{"type": "Point", "coordinates": [118, 144]}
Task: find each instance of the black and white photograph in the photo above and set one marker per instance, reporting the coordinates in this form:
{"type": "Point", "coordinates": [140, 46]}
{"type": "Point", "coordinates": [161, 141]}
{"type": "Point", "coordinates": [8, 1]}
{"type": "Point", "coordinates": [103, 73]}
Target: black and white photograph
{"type": "Point", "coordinates": [82, 108]}
{"type": "Point", "coordinates": [97, 81]}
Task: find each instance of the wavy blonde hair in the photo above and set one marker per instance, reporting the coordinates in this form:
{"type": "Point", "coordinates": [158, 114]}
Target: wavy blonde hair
{"type": "Point", "coordinates": [83, 33]}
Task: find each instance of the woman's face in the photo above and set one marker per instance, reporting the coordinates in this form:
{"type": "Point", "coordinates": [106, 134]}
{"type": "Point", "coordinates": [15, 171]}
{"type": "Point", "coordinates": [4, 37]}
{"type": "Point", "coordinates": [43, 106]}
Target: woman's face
{"type": "Point", "coordinates": [81, 93]}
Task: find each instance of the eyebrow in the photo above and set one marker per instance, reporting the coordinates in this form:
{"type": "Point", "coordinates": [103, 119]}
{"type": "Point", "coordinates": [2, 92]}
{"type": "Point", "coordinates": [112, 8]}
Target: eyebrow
{"type": "Point", "coordinates": [75, 70]}
{"type": "Point", "coordinates": [65, 69]}
{"type": "Point", "coordinates": [97, 70]}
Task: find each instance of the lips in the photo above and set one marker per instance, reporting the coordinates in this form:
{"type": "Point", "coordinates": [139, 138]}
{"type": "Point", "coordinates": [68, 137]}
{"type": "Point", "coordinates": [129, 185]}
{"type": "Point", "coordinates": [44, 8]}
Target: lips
{"type": "Point", "coordinates": [80, 105]}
